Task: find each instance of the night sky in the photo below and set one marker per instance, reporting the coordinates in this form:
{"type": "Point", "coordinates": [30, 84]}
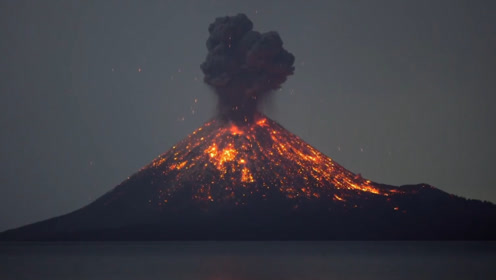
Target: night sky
{"type": "Point", "coordinates": [401, 92]}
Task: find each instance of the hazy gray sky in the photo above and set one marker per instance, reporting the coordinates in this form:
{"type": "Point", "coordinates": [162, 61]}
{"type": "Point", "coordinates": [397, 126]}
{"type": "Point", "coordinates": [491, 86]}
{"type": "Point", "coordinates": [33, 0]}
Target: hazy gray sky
{"type": "Point", "coordinates": [400, 91]}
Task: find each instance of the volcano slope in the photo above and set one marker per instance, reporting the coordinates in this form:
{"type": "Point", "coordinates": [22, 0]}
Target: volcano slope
{"type": "Point", "coordinates": [258, 181]}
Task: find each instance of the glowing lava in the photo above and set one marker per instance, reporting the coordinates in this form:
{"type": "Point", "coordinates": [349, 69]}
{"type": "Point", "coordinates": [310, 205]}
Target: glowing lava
{"type": "Point", "coordinates": [222, 161]}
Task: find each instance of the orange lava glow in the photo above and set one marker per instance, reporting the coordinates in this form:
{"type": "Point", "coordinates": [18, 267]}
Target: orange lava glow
{"type": "Point", "coordinates": [226, 162]}
{"type": "Point", "coordinates": [235, 130]}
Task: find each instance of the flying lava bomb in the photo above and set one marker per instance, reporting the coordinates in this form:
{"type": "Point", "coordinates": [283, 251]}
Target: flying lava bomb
{"type": "Point", "coordinates": [243, 176]}
{"type": "Point", "coordinates": [243, 65]}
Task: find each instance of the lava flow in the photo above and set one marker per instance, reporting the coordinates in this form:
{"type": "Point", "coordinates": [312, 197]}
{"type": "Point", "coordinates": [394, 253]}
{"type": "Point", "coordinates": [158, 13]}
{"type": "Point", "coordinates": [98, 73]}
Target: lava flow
{"type": "Point", "coordinates": [225, 162]}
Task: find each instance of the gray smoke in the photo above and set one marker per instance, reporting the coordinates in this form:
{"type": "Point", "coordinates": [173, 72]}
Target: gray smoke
{"type": "Point", "coordinates": [243, 65]}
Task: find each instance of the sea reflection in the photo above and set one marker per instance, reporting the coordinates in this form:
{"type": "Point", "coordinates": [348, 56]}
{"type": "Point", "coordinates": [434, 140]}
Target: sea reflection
{"type": "Point", "coordinates": [249, 260]}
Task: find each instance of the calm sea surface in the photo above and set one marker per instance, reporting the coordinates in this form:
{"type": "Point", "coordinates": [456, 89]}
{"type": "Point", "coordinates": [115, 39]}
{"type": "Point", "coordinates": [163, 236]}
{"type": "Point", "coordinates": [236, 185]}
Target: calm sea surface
{"type": "Point", "coordinates": [248, 260]}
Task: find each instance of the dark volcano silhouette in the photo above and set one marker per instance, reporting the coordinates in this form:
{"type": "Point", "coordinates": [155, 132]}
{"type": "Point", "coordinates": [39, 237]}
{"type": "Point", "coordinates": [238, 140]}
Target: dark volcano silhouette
{"type": "Point", "coordinates": [242, 176]}
{"type": "Point", "coordinates": [258, 181]}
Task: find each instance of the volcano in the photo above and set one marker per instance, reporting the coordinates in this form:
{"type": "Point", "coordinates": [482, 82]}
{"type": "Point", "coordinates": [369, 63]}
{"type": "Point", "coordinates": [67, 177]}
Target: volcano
{"type": "Point", "coordinates": [258, 181]}
{"type": "Point", "coordinates": [242, 176]}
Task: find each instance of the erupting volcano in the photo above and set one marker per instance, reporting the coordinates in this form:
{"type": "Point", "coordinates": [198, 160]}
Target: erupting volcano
{"type": "Point", "coordinates": [230, 164]}
{"type": "Point", "coordinates": [243, 176]}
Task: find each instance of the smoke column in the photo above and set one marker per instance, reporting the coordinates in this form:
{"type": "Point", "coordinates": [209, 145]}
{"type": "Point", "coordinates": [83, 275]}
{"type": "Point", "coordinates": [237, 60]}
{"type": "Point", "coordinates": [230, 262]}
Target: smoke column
{"type": "Point", "coordinates": [243, 65]}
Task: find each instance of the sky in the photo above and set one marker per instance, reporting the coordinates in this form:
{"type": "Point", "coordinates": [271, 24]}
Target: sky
{"type": "Point", "coordinates": [402, 92]}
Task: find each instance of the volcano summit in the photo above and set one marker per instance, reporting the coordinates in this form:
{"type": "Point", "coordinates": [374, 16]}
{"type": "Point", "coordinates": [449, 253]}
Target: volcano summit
{"type": "Point", "coordinates": [242, 176]}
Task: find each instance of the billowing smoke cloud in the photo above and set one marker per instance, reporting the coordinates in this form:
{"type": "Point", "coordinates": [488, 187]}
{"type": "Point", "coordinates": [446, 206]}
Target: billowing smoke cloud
{"type": "Point", "coordinates": [243, 65]}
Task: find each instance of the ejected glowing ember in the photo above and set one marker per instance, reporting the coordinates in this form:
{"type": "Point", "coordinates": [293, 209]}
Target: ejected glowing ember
{"type": "Point", "coordinates": [243, 65]}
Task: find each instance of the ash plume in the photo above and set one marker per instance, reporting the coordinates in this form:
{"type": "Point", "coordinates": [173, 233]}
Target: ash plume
{"type": "Point", "coordinates": [243, 65]}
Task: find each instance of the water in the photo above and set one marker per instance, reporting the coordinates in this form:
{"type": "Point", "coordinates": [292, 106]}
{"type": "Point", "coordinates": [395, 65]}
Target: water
{"type": "Point", "coordinates": [248, 260]}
